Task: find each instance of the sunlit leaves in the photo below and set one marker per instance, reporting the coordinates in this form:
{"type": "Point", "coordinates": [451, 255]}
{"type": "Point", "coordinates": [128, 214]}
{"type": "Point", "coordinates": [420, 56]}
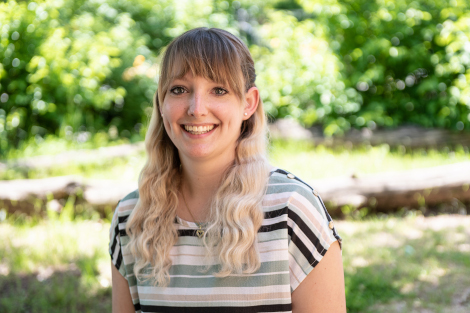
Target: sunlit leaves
{"type": "Point", "coordinates": [76, 66]}
{"type": "Point", "coordinates": [399, 54]}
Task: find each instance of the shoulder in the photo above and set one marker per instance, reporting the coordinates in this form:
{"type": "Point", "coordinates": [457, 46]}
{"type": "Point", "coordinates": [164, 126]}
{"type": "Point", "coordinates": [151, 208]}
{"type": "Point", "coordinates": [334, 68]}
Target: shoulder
{"type": "Point", "coordinates": [117, 232]}
{"type": "Point", "coordinates": [287, 187]}
{"type": "Point", "coordinates": [124, 208]}
{"type": "Point", "coordinates": [303, 203]}
{"type": "Point", "coordinates": [127, 204]}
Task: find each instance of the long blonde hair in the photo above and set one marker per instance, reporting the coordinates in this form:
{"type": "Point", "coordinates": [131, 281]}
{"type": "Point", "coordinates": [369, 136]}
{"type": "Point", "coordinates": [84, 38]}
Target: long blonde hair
{"type": "Point", "coordinates": [236, 211]}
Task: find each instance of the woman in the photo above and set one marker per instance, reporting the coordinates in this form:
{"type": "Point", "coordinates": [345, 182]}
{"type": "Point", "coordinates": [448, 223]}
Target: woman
{"type": "Point", "coordinates": [213, 227]}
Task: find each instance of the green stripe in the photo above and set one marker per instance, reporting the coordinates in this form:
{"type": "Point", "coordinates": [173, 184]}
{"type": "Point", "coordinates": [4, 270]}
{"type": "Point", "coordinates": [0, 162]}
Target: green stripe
{"type": "Point", "coordinates": [224, 303]}
{"type": "Point", "coordinates": [132, 195]}
{"type": "Point", "coordinates": [230, 281]}
{"type": "Point", "coordinates": [266, 267]}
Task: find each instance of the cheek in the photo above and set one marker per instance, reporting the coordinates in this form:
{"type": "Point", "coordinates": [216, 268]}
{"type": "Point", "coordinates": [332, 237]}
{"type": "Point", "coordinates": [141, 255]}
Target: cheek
{"type": "Point", "coordinates": [172, 112]}
{"type": "Point", "coordinates": [229, 112]}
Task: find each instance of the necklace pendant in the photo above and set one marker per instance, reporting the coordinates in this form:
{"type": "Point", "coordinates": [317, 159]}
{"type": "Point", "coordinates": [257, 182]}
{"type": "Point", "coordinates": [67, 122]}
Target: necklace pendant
{"type": "Point", "coordinates": [199, 233]}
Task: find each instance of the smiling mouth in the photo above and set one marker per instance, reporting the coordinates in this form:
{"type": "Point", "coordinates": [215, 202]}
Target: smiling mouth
{"type": "Point", "coordinates": [198, 130]}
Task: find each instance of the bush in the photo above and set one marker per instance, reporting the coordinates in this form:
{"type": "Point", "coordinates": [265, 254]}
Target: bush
{"type": "Point", "coordinates": [74, 68]}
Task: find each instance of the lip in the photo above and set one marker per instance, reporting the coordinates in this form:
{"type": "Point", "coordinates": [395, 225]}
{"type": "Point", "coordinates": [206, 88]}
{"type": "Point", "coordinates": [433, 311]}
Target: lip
{"type": "Point", "coordinates": [193, 124]}
{"type": "Point", "coordinates": [194, 136]}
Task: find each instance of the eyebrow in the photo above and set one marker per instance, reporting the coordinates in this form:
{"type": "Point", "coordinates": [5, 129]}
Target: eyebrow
{"type": "Point", "coordinates": [225, 85]}
{"type": "Point", "coordinates": [180, 78]}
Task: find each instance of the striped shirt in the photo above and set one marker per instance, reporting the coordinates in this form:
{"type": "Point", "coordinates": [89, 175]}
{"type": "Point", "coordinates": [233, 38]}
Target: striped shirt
{"type": "Point", "coordinates": [294, 237]}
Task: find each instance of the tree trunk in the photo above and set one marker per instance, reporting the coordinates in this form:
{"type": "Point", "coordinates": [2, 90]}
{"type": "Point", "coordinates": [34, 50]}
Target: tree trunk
{"type": "Point", "coordinates": [387, 192]}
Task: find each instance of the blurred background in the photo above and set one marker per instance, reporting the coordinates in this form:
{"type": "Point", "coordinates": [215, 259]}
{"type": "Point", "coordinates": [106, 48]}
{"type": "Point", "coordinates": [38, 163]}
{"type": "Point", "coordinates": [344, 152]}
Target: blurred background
{"type": "Point", "coordinates": [368, 101]}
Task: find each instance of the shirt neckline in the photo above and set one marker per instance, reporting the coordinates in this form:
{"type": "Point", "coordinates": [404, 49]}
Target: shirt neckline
{"type": "Point", "coordinates": [189, 224]}
{"type": "Point", "coordinates": [186, 223]}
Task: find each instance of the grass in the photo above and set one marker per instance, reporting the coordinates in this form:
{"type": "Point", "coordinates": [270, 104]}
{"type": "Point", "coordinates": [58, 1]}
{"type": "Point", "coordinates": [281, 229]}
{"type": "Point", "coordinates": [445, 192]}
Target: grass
{"type": "Point", "coordinates": [54, 266]}
{"type": "Point", "coordinates": [52, 145]}
{"type": "Point", "coordinates": [300, 157]}
{"type": "Point", "coordinates": [315, 162]}
{"type": "Point", "coordinates": [409, 264]}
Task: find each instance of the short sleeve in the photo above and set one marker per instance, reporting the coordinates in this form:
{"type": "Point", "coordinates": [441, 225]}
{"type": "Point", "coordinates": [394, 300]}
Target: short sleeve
{"type": "Point", "coordinates": [311, 232]}
{"type": "Point", "coordinates": [115, 248]}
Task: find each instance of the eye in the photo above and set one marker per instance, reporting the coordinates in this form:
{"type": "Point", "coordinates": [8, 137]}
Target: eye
{"type": "Point", "coordinates": [220, 91]}
{"type": "Point", "coordinates": [177, 90]}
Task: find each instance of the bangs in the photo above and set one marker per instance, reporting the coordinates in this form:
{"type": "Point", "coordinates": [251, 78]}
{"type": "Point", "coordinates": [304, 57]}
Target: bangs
{"type": "Point", "coordinates": [206, 54]}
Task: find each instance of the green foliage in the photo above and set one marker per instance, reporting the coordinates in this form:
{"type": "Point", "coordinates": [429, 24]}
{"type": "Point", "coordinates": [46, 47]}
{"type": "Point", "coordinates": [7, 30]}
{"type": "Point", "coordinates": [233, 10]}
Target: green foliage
{"type": "Point", "coordinates": [75, 68]}
{"type": "Point", "coordinates": [62, 71]}
{"type": "Point", "coordinates": [54, 266]}
{"type": "Point", "coordinates": [409, 61]}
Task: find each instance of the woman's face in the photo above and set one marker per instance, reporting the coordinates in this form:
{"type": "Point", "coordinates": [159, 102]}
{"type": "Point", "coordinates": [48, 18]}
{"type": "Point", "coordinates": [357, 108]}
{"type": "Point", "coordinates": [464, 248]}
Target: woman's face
{"type": "Point", "coordinates": [203, 118]}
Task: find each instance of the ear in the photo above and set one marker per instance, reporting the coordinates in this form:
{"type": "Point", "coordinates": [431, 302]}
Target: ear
{"type": "Point", "coordinates": [251, 102]}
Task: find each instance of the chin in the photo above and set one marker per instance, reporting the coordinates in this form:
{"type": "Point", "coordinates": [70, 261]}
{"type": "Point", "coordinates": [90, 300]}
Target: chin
{"type": "Point", "coordinates": [199, 153]}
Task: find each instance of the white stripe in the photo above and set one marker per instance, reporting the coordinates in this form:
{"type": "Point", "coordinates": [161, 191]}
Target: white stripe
{"type": "Point", "coordinates": [320, 235]}
{"type": "Point", "coordinates": [315, 208]}
{"type": "Point", "coordinates": [228, 303]}
{"type": "Point", "coordinates": [295, 183]}
{"type": "Point", "coordinates": [233, 275]}
{"type": "Point", "coordinates": [125, 203]}
{"type": "Point", "coordinates": [305, 240]}
{"type": "Point", "coordinates": [282, 197]}
{"type": "Point", "coordinates": [274, 220]}
{"type": "Point", "coordinates": [213, 291]}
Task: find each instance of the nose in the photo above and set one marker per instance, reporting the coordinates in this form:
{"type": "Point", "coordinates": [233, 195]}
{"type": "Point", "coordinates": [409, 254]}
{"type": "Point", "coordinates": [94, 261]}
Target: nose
{"type": "Point", "coordinates": [197, 105]}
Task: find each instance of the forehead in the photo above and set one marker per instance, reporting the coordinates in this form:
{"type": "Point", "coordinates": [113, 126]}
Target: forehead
{"type": "Point", "coordinates": [184, 68]}
{"type": "Point", "coordinates": [191, 78]}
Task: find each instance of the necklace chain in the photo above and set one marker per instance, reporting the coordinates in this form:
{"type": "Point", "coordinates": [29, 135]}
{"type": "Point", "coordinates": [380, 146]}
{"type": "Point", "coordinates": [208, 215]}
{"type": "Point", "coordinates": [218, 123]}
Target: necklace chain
{"type": "Point", "coordinates": [200, 231]}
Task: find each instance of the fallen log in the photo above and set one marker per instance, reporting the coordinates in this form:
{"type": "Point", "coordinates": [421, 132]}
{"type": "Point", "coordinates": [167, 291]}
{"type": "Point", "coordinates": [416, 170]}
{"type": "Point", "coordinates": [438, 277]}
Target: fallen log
{"type": "Point", "coordinates": [32, 196]}
{"type": "Point", "coordinates": [384, 192]}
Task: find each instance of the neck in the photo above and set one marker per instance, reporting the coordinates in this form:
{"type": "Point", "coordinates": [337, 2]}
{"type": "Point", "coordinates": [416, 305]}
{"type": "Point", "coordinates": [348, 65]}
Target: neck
{"type": "Point", "coordinates": [202, 177]}
{"type": "Point", "coordinates": [200, 181]}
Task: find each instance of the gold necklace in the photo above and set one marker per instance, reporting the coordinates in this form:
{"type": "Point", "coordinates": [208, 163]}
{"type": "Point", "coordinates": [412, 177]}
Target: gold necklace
{"type": "Point", "coordinates": [200, 231]}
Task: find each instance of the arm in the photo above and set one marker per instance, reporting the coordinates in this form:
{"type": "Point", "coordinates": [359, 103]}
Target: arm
{"type": "Point", "coordinates": [122, 301]}
{"type": "Point", "coordinates": [323, 288]}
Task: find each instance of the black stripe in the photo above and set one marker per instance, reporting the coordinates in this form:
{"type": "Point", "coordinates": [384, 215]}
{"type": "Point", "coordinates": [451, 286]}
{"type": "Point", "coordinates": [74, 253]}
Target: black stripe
{"type": "Point", "coordinates": [275, 213]}
{"type": "Point", "coordinates": [187, 232]}
{"type": "Point", "coordinates": [295, 177]}
{"type": "Point", "coordinates": [123, 219]}
{"type": "Point", "coordinates": [137, 306]}
{"type": "Point", "coordinates": [310, 235]}
{"type": "Point", "coordinates": [273, 227]}
{"type": "Point", "coordinates": [119, 259]}
{"type": "Point", "coordinates": [220, 309]}
{"type": "Point", "coordinates": [281, 171]}
{"type": "Point", "coordinates": [302, 248]}
{"type": "Point", "coordinates": [117, 233]}
{"type": "Point", "coordinates": [263, 229]}
{"type": "Point", "coordinates": [113, 246]}
{"type": "Point", "coordinates": [328, 217]}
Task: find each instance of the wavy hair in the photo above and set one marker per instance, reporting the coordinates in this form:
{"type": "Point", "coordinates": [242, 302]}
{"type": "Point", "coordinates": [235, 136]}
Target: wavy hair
{"type": "Point", "coordinates": [236, 210]}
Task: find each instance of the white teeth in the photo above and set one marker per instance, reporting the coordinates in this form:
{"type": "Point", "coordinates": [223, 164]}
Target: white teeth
{"type": "Point", "coordinates": [198, 130]}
